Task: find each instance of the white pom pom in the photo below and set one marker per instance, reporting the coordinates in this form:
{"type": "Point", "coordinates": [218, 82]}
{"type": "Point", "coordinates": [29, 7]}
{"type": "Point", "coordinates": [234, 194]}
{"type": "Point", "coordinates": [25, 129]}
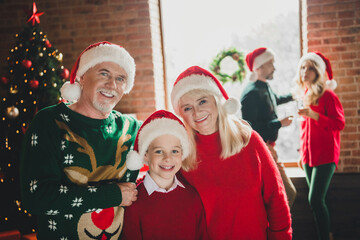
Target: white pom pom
{"type": "Point", "coordinates": [232, 105]}
{"type": "Point", "coordinates": [332, 84]}
{"type": "Point", "coordinates": [70, 92]}
{"type": "Point", "coordinates": [253, 76]}
{"type": "Point", "coordinates": [134, 161]}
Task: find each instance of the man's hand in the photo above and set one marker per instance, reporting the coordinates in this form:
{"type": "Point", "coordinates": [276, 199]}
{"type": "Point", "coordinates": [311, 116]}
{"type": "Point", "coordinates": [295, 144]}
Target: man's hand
{"type": "Point", "coordinates": [286, 121]}
{"type": "Point", "coordinates": [128, 193]}
{"type": "Point", "coordinates": [308, 113]}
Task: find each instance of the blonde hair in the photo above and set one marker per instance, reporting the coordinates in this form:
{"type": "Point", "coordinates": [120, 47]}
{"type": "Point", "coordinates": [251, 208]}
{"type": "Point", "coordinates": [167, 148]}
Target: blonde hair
{"type": "Point", "coordinates": [234, 133]}
{"type": "Point", "coordinates": [190, 163]}
{"type": "Point", "coordinates": [317, 87]}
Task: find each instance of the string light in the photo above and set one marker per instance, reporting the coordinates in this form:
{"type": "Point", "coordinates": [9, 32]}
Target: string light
{"type": "Point", "coordinates": [27, 50]}
{"type": "Point", "coordinates": [25, 81]}
{"type": "Point", "coordinates": [17, 62]}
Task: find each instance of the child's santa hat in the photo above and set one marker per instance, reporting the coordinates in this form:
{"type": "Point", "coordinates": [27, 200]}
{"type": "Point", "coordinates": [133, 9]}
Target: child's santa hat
{"type": "Point", "coordinates": [323, 63]}
{"type": "Point", "coordinates": [95, 54]}
{"type": "Point", "coordinates": [157, 124]}
{"type": "Point", "coordinates": [256, 59]}
{"type": "Point", "coordinates": [198, 78]}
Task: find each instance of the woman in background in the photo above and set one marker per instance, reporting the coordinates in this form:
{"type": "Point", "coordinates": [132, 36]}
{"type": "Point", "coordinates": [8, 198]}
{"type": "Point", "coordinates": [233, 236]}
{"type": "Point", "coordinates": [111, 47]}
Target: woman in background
{"type": "Point", "coordinates": [320, 133]}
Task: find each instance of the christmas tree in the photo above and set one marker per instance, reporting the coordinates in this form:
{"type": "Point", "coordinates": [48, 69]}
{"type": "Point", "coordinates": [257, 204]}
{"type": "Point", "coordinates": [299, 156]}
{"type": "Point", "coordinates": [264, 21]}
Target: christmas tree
{"type": "Point", "coordinates": [34, 76]}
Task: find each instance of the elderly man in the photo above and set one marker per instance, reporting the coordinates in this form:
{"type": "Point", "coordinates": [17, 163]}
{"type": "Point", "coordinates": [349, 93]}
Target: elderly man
{"type": "Point", "coordinates": [259, 104]}
{"type": "Point", "coordinates": [73, 172]}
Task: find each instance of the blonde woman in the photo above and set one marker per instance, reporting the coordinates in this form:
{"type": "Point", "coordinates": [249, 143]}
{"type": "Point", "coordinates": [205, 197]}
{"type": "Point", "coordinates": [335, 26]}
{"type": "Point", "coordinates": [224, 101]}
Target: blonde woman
{"type": "Point", "coordinates": [238, 182]}
{"type": "Point", "coordinates": [320, 137]}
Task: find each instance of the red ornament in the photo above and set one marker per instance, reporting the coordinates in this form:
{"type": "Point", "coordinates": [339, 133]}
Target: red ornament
{"type": "Point", "coordinates": [64, 73]}
{"type": "Point", "coordinates": [4, 80]}
{"type": "Point", "coordinates": [47, 44]}
{"type": "Point", "coordinates": [26, 63]}
{"type": "Point", "coordinates": [34, 15]}
{"type": "Point", "coordinates": [34, 84]}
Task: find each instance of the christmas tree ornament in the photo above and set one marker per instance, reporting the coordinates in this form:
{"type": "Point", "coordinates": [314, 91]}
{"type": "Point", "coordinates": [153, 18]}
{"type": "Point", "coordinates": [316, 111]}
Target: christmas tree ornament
{"type": "Point", "coordinates": [47, 44]}
{"type": "Point", "coordinates": [59, 57]}
{"type": "Point", "coordinates": [64, 73]}
{"type": "Point", "coordinates": [34, 84]}
{"type": "Point", "coordinates": [26, 63]}
{"type": "Point", "coordinates": [236, 56]}
{"type": "Point", "coordinates": [4, 80]}
{"type": "Point", "coordinates": [13, 90]}
{"type": "Point", "coordinates": [34, 15]}
{"type": "Point", "coordinates": [12, 112]}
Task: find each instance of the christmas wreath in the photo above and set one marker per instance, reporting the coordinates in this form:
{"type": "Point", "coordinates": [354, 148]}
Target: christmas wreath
{"type": "Point", "coordinates": [236, 76]}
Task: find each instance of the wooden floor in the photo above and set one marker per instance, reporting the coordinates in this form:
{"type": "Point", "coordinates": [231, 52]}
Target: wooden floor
{"type": "Point", "coordinates": [344, 204]}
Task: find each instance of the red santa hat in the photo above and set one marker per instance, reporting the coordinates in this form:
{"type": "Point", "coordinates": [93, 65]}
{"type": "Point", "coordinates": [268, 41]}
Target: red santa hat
{"type": "Point", "coordinates": [95, 54]}
{"type": "Point", "coordinates": [323, 63]}
{"type": "Point", "coordinates": [198, 78]}
{"type": "Point", "coordinates": [157, 124]}
{"type": "Point", "coordinates": [256, 59]}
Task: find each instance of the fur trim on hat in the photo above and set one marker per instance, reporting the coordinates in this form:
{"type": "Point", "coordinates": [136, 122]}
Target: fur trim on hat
{"type": "Point", "coordinates": [253, 76]}
{"type": "Point", "coordinates": [70, 92]}
{"type": "Point", "coordinates": [315, 58]}
{"type": "Point", "coordinates": [108, 53]}
{"type": "Point", "coordinates": [232, 105]}
{"type": "Point", "coordinates": [134, 161]}
{"type": "Point", "coordinates": [189, 83]}
{"type": "Point", "coordinates": [159, 127]}
{"type": "Point", "coordinates": [263, 58]}
{"type": "Point", "coordinates": [331, 84]}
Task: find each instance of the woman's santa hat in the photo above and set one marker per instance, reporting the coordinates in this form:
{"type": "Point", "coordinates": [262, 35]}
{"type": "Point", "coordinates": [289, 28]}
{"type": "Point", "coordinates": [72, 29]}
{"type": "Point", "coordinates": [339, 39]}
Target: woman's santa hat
{"type": "Point", "coordinates": [157, 124]}
{"type": "Point", "coordinates": [256, 59]}
{"type": "Point", "coordinates": [198, 78]}
{"type": "Point", "coordinates": [323, 63]}
{"type": "Point", "coordinates": [95, 54]}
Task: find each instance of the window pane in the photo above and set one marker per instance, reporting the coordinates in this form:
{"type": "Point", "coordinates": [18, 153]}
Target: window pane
{"type": "Point", "coordinates": [195, 31]}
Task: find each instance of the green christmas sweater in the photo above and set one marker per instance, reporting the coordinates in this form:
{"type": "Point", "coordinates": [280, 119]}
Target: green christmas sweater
{"type": "Point", "coordinates": [70, 165]}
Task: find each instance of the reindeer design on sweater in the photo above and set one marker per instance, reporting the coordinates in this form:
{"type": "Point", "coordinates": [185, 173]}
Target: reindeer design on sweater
{"type": "Point", "coordinates": [102, 223]}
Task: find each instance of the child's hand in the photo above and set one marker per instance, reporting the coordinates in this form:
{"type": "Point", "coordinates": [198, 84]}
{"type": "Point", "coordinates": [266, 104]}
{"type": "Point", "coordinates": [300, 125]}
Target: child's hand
{"type": "Point", "coordinates": [128, 193]}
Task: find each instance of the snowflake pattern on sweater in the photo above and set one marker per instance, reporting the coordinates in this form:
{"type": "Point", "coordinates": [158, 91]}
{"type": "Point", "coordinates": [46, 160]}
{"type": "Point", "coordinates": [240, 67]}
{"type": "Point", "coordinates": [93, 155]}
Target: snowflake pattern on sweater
{"type": "Point", "coordinates": [69, 167]}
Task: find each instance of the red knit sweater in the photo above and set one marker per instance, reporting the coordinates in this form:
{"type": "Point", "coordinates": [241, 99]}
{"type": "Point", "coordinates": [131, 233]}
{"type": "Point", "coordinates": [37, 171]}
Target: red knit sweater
{"type": "Point", "coordinates": [243, 196]}
{"type": "Point", "coordinates": [178, 214]}
{"type": "Point", "coordinates": [321, 139]}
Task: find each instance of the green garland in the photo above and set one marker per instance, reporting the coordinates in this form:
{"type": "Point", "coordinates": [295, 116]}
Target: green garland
{"type": "Point", "coordinates": [236, 76]}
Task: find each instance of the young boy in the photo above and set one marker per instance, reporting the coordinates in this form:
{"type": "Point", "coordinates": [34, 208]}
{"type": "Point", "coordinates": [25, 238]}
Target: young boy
{"type": "Point", "coordinates": [166, 208]}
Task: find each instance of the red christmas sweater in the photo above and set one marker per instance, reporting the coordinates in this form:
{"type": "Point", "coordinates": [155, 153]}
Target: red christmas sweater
{"type": "Point", "coordinates": [243, 195]}
{"type": "Point", "coordinates": [320, 140]}
{"type": "Point", "coordinates": [178, 214]}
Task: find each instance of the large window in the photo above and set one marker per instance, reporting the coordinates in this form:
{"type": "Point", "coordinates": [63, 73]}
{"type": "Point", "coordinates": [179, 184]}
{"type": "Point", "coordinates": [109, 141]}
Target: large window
{"type": "Point", "coordinates": [195, 31]}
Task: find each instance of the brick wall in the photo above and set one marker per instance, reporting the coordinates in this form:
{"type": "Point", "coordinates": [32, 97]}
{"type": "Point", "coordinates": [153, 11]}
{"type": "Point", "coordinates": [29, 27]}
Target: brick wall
{"type": "Point", "coordinates": [72, 25]}
{"type": "Point", "coordinates": [333, 28]}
